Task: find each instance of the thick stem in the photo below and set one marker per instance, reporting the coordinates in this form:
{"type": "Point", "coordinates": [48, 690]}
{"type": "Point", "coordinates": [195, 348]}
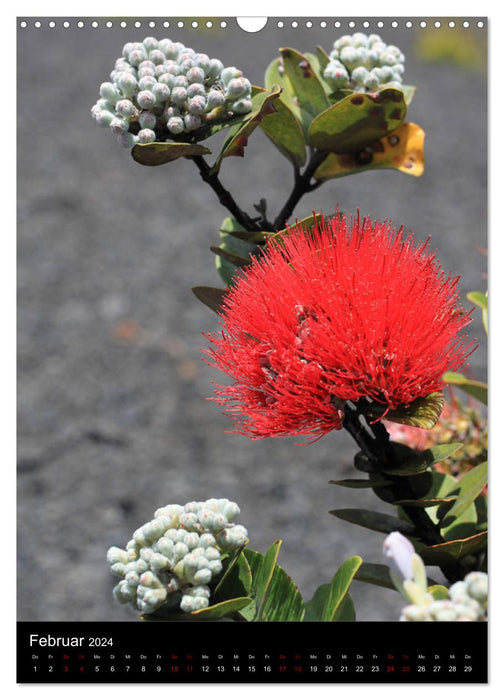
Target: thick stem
{"type": "Point", "coordinates": [225, 197]}
{"type": "Point", "coordinates": [302, 185]}
{"type": "Point", "coordinates": [374, 441]}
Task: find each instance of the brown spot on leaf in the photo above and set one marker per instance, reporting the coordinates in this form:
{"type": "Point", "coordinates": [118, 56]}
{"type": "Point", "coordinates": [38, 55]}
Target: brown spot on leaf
{"type": "Point", "coordinates": [376, 112]}
{"type": "Point", "coordinates": [364, 157]}
{"type": "Point", "coordinates": [396, 114]}
{"type": "Point", "coordinates": [376, 97]}
{"type": "Point", "coordinates": [357, 100]}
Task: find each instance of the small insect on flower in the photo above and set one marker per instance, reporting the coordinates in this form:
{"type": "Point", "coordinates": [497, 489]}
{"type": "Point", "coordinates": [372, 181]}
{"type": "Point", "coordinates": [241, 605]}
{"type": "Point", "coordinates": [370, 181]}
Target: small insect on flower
{"type": "Point", "coordinates": [350, 309]}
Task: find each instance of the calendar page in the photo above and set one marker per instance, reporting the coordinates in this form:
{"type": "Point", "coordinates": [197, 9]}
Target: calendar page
{"type": "Point", "coordinates": [252, 340]}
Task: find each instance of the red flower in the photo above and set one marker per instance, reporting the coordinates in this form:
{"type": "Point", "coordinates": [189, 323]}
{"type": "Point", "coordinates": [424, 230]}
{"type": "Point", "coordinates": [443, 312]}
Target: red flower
{"type": "Point", "coordinates": [352, 309]}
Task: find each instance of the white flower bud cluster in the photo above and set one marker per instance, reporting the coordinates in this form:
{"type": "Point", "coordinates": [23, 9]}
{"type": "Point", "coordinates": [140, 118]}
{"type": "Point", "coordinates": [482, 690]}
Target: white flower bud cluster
{"type": "Point", "coordinates": [172, 559]}
{"type": "Point", "coordinates": [467, 602]}
{"type": "Point", "coordinates": [364, 64]}
{"type": "Point", "coordinates": [161, 88]}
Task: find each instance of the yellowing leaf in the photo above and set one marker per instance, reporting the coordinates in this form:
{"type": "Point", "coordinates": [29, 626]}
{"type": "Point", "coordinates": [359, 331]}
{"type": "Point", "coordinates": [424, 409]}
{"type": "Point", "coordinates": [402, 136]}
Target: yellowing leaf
{"type": "Point", "coordinates": [402, 149]}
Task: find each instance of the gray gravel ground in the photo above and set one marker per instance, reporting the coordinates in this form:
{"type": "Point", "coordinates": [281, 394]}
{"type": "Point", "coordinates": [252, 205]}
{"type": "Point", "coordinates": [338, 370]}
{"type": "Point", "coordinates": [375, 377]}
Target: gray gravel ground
{"type": "Point", "coordinates": [112, 417]}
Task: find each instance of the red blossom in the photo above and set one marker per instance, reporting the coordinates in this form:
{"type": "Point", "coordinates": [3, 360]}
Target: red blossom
{"type": "Point", "coordinates": [349, 310]}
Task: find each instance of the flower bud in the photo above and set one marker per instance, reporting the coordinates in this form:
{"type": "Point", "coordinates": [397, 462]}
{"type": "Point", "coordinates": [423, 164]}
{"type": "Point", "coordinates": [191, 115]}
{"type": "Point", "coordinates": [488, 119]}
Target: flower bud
{"type": "Point", "coordinates": [230, 73]}
{"type": "Point", "coordinates": [157, 57]}
{"type": "Point", "coordinates": [109, 92]}
{"type": "Point", "coordinates": [237, 87]}
{"type": "Point", "coordinates": [178, 95]}
{"type": "Point", "coordinates": [175, 125]}
{"type": "Point", "coordinates": [161, 92]}
{"type": "Point", "coordinates": [477, 586]}
{"type": "Point", "coordinates": [146, 136]}
{"type": "Point", "coordinates": [137, 56]}
{"type": "Point", "coordinates": [127, 84]}
{"type": "Point", "coordinates": [127, 140]}
{"type": "Point", "coordinates": [118, 126]}
{"type": "Point", "coordinates": [104, 118]}
{"type": "Point", "coordinates": [147, 120]}
{"type": "Point", "coordinates": [398, 552]}
{"type": "Point", "coordinates": [215, 98]}
{"type": "Point", "coordinates": [242, 106]}
{"type": "Point", "coordinates": [147, 82]}
{"type": "Point", "coordinates": [197, 104]}
{"type": "Point", "coordinates": [195, 75]}
{"type": "Point", "coordinates": [146, 99]}
{"type": "Point", "coordinates": [125, 108]}
{"type": "Point", "coordinates": [192, 122]}
{"type": "Point", "coordinates": [360, 75]}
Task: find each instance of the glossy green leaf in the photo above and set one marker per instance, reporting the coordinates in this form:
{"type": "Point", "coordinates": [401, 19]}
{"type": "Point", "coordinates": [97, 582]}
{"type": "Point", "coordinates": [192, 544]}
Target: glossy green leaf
{"type": "Point", "coordinates": [357, 121]}
{"type": "Point", "coordinates": [285, 131]}
{"type": "Point", "coordinates": [479, 390]}
{"type": "Point", "coordinates": [212, 297]}
{"type": "Point", "coordinates": [237, 140]}
{"type": "Point", "coordinates": [439, 554]}
{"type": "Point", "coordinates": [275, 594]}
{"type": "Point", "coordinates": [326, 604]}
{"type": "Point", "coordinates": [304, 85]}
{"type": "Point", "coordinates": [376, 574]}
{"type": "Point", "coordinates": [220, 610]}
{"type": "Point", "coordinates": [444, 486]}
{"type": "Point", "coordinates": [402, 149]}
{"type": "Point", "coordinates": [468, 489]}
{"type": "Point", "coordinates": [423, 460]}
{"type": "Point", "coordinates": [425, 502]}
{"type": "Point", "coordinates": [161, 153]}
{"type": "Point", "coordinates": [422, 413]}
{"type": "Point", "coordinates": [380, 522]}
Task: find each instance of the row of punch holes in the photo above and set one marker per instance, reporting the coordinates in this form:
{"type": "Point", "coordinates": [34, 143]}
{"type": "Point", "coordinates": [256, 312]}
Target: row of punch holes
{"type": "Point", "coordinates": [253, 24]}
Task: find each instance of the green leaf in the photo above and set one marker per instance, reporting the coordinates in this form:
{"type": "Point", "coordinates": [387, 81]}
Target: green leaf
{"type": "Point", "coordinates": [479, 390]}
{"type": "Point", "coordinates": [219, 610]}
{"type": "Point", "coordinates": [233, 252]}
{"type": "Point", "coordinates": [402, 149]}
{"type": "Point", "coordinates": [439, 554]}
{"type": "Point", "coordinates": [237, 140]}
{"type": "Point", "coordinates": [421, 413]}
{"type": "Point", "coordinates": [212, 297]}
{"type": "Point", "coordinates": [305, 94]}
{"type": "Point", "coordinates": [376, 574]}
{"type": "Point", "coordinates": [438, 592]}
{"type": "Point", "coordinates": [372, 482]}
{"type": "Point", "coordinates": [275, 594]}
{"type": "Point", "coordinates": [285, 132]}
{"type": "Point", "coordinates": [469, 488]}
{"type": "Point", "coordinates": [380, 522]}
{"type": "Point", "coordinates": [357, 121]}
{"type": "Point", "coordinates": [481, 300]}
{"type": "Point", "coordinates": [306, 224]}
{"type": "Point", "coordinates": [236, 579]}
{"type": "Point", "coordinates": [424, 502]}
{"type": "Point", "coordinates": [161, 153]}
{"type": "Point", "coordinates": [423, 460]}
{"type": "Point", "coordinates": [408, 92]}
{"type": "Point", "coordinates": [328, 600]}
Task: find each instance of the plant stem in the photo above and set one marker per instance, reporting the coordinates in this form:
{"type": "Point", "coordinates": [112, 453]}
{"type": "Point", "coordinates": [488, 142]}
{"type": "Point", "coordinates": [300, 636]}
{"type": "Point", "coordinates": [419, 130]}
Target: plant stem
{"type": "Point", "coordinates": [302, 185]}
{"type": "Point", "coordinates": [374, 441]}
{"type": "Point", "coordinates": [225, 197]}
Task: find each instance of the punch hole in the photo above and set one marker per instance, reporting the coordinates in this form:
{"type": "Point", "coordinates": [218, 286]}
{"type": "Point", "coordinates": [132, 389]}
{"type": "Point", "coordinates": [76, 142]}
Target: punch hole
{"type": "Point", "coordinates": [152, 25]}
{"type": "Point", "coordinates": [351, 24]}
{"type": "Point", "coordinates": [365, 24]}
{"type": "Point", "coordinates": [323, 24]}
{"type": "Point", "coordinates": [252, 24]}
{"type": "Point", "coordinates": [280, 24]}
{"type": "Point", "coordinates": [480, 25]}
{"type": "Point", "coordinates": [395, 24]}
{"type": "Point", "coordinates": [166, 24]}
{"type": "Point", "coordinates": [437, 24]}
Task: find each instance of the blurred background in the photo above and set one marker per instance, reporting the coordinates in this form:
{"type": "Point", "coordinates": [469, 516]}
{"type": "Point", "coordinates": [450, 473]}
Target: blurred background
{"type": "Point", "coordinates": [113, 420]}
